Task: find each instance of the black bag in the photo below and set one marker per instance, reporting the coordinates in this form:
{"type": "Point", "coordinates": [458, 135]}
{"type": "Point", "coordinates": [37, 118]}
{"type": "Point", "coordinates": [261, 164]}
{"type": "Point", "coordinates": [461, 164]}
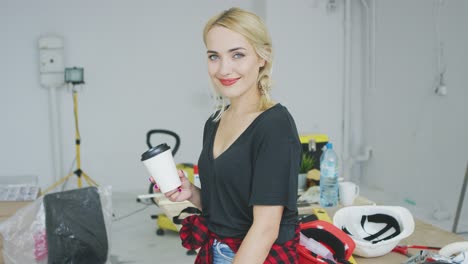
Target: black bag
{"type": "Point", "coordinates": [178, 219]}
{"type": "Point", "coordinates": [75, 228]}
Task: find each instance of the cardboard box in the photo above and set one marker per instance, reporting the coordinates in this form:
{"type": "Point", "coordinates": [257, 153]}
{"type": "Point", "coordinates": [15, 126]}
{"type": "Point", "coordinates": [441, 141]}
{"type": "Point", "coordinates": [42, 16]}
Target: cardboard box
{"type": "Point", "coordinates": [9, 208]}
{"type": "Point", "coordinates": [1, 250]}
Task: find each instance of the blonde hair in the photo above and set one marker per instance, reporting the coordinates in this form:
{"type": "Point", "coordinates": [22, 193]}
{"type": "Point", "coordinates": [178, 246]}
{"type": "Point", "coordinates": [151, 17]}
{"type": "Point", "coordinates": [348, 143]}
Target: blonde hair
{"type": "Point", "coordinates": [254, 30]}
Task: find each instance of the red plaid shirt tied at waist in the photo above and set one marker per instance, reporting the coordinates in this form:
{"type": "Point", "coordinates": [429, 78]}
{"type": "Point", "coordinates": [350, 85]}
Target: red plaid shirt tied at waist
{"type": "Point", "coordinates": [195, 234]}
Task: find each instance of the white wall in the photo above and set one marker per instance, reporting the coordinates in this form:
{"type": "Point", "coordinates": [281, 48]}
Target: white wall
{"type": "Point", "coordinates": [308, 69]}
{"type": "Point", "coordinates": [420, 140]}
{"type": "Point", "coordinates": [145, 68]}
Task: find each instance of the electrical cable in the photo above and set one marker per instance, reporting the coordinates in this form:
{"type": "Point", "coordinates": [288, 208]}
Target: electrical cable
{"type": "Point", "coordinates": [131, 213]}
{"type": "Point", "coordinates": [425, 102]}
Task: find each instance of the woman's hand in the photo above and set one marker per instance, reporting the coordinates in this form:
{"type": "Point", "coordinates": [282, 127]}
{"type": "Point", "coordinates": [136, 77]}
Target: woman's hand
{"type": "Point", "coordinates": [182, 193]}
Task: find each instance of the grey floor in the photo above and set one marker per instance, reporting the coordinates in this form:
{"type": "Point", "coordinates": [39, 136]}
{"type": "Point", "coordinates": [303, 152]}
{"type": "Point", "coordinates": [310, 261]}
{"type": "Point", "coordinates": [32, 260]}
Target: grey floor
{"type": "Point", "coordinates": [134, 239]}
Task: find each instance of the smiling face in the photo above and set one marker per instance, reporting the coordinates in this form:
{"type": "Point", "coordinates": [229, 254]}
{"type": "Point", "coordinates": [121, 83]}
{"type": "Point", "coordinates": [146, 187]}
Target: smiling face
{"type": "Point", "coordinates": [233, 64]}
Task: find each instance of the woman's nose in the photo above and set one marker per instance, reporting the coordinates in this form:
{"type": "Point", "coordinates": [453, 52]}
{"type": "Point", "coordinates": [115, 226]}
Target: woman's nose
{"type": "Point", "coordinates": [225, 68]}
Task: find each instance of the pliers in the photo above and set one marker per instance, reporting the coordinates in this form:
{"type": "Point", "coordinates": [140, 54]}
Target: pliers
{"type": "Point", "coordinates": [403, 249]}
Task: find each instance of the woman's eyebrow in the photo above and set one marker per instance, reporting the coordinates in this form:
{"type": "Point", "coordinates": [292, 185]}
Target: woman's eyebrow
{"type": "Point", "coordinates": [230, 50]}
{"type": "Point", "coordinates": [234, 49]}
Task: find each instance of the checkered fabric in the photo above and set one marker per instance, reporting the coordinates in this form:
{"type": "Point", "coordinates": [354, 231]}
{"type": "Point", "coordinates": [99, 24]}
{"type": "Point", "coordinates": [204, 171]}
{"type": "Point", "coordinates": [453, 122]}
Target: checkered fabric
{"type": "Point", "coordinates": [195, 234]}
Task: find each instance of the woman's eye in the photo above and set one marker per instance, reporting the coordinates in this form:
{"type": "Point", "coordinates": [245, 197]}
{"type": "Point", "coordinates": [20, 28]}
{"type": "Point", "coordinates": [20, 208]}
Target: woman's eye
{"type": "Point", "coordinates": [238, 55]}
{"type": "Point", "coordinates": [213, 57]}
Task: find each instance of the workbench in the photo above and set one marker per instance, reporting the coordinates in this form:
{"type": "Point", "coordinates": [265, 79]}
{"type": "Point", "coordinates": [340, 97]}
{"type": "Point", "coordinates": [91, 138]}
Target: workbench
{"type": "Point", "coordinates": [424, 233]}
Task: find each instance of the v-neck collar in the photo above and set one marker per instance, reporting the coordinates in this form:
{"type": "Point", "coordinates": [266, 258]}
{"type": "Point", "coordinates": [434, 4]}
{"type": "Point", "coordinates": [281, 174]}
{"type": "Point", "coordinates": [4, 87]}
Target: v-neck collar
{"type": "Point", "coordinates": [213, 136]}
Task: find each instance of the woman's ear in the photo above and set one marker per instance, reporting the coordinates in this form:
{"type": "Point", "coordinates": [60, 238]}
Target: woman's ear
{"type": "Point", "coordinates": [266, 52]}
{"type": "Point", "coordinates": [261, 62]}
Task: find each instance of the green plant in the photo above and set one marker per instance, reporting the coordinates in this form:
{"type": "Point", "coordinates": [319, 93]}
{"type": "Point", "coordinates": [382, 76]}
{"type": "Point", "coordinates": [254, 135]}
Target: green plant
{"type": "Point", "coordinates": [307, 163]}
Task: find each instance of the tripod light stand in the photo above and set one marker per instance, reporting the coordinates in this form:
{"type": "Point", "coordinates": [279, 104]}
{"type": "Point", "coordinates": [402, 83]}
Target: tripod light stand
{"type": "Point", "coordinates": [72, 80]}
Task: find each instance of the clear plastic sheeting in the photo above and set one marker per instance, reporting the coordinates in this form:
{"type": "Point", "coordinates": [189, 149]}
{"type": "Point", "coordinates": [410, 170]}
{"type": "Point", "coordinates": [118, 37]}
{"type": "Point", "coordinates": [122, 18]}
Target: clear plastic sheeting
{"type": "Point", "coordinates": [18, 192]}
{"type": "Point", "coordinates": [26, 233]}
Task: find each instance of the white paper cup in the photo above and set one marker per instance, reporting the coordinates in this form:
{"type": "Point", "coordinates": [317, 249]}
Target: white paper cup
{"type": "Point", "coordinates": [348, 192]}
{"type": "Point", "coordinates": [161, 166]}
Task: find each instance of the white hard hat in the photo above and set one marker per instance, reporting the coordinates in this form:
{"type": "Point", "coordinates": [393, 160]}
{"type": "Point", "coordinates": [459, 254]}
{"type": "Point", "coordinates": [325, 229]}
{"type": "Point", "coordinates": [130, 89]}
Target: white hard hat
{"type": "Point", "coordinates": [376, 230]}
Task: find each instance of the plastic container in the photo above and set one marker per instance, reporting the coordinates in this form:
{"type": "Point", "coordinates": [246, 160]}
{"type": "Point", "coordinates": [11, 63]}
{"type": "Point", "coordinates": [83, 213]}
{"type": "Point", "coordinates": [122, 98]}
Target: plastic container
{"type": "Point", "coordinates": [329, 177]}
{"type": "Point", "coordinates": [196, 177]}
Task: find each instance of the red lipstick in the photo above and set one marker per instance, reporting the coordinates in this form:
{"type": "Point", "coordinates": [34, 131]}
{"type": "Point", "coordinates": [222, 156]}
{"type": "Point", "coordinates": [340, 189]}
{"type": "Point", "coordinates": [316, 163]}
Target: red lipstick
{"type": "Point", "coordinates": [228, 82]}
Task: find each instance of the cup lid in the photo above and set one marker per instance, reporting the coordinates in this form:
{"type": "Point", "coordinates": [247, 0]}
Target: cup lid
{"type": "Point", "coordinates": [154, 151]}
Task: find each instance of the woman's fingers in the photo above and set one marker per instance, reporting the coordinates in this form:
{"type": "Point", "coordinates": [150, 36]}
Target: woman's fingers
{"type": "Point", "coordinates": [181, 173]}
{"type": "Point", "coordinates": [155, 186]}
{"type": "Point", "coordinates": [169, 194]}
{"type": "Point", "coordinates": [182, 192]}
{"type": "Point", "coordinates": [174, 196]}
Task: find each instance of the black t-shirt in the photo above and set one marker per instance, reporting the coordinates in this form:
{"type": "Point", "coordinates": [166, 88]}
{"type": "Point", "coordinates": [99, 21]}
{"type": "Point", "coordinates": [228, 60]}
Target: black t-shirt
{"type": "Point", "coordinates": [260, 168]}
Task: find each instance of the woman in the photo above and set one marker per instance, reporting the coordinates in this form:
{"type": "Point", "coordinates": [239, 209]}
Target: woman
{"type": "Point", "coordinates": [251, 152]}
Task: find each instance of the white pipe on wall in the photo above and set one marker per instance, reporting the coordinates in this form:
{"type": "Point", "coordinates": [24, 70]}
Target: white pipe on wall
{"type": "Point", "coordinates": [55, 133]}
{"type": "Point", "coordinates": [350, 160]}
{"type": "Point", "coordinates": [370, 57]}
{"type": "Point", "coordinates": [373, 26]}
{"type": "Point", "coordinates": [346, 89]}
{"type": "Point", "coordinates": [368, 44]}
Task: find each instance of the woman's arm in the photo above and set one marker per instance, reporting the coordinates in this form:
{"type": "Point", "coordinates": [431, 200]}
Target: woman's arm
{"type": "Point", "coordinates": [195, 198]}
{"type": "Point", "coordinates": [261, 236]}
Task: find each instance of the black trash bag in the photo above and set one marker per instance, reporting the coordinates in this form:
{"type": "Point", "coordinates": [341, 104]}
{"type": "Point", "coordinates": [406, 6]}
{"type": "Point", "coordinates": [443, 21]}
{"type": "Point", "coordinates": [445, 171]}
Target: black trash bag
{"type": "Point", "coordinates": [75, 228]}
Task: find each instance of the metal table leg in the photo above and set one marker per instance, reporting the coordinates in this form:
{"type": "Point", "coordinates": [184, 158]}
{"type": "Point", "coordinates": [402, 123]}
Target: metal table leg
{"type": "Point", "coordinates": [460, 202]}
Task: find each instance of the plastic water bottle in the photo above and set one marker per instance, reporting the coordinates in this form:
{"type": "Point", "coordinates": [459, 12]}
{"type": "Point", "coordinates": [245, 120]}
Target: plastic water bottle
{"type": "Point", "coordinates": [196, 177]}
{"type": "Point", "coordinates": [329, 177]}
